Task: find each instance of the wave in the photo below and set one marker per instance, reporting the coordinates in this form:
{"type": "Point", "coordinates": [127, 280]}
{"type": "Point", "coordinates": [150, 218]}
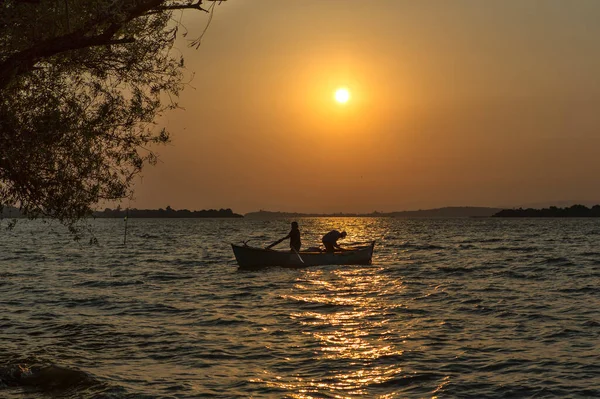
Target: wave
{"type": "Point", "coordinates": [557, 261]}
{"type": "Point", "coordinates": [581, 290]}
{"type": "Point", "coordinates": [107, 284]}
{"type": "Point", "coordinates": [591, 323]}
{"type": "Point", "coordinates": [513, 249]}
{"type": "Point", "coordinates": [454, 270]}
{"type": "Point", "coordinates": [150, 236]}
{"type": "Point", "coordinates": [47, 378]}
{"type": "Point", "coordinates": [504, 365]}
{"type": "Point", "coordinates": [563, 333]}
{"type": "Point", "coordinates": [419, 246]}
{"type": "Point", "coordinates": [407, 380]}
{"type": "Point", "coordinates": [483, 240]}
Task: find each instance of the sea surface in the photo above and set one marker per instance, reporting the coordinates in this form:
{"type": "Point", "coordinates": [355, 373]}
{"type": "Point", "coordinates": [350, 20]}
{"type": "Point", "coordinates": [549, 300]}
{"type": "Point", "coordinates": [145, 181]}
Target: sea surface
{"type": "Point", "coordinates": [450, 308]}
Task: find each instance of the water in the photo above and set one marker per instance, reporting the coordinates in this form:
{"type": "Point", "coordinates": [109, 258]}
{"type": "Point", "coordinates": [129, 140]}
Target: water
{"type": "Point", "coordinates": [457, 308]}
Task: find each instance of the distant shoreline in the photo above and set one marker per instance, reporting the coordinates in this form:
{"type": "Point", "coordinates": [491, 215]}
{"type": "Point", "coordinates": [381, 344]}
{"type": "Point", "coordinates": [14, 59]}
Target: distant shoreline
{"type": "Point", "coordinates": [446, 212]}
{"type": "Point", "coordinates": [168, 213]}
{"type": "Point", "coordinates": [575, 211]}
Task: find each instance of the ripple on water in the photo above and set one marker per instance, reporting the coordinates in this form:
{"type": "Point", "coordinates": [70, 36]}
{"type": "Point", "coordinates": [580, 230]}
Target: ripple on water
{"type": "Point", "coordinates": [450, 308]}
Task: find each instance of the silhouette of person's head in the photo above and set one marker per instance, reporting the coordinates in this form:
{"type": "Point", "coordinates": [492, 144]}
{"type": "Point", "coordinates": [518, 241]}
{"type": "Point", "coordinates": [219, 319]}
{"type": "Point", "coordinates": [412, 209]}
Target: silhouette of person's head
{"type": "Point", "coordinates": [294, 225]}
{"type": "Point", "coordinates": [343, 234]}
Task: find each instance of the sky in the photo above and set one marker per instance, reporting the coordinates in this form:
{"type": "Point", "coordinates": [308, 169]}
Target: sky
{"type": "Point", "coordinates": [452, 103]}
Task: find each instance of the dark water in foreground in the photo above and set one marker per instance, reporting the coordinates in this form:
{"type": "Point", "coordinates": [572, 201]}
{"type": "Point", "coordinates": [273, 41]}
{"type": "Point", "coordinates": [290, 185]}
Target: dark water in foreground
{"type": "Point", "coordinates": [464, 308]}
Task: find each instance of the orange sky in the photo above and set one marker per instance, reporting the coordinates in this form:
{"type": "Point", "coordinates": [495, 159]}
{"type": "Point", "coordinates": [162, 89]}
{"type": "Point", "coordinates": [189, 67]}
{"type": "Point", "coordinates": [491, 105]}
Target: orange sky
{"type": "Point", "coordinates": [452, 103]}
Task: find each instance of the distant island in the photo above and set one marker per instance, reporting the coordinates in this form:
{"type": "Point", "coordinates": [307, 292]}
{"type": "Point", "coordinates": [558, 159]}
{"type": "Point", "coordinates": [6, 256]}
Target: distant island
{"type": "Point", "coordinates": [446, 212]}
{"type": "Point", "coordinates": [577, 211]}
{"type": "Point", "coordinates": [166, 213]}
{"type": "Point", "coordinates": [11, 213]}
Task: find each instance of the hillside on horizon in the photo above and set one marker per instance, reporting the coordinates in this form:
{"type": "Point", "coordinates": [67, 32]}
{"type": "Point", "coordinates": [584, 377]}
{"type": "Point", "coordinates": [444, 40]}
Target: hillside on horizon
{"type": "Point", "coordinates": [448, 212]}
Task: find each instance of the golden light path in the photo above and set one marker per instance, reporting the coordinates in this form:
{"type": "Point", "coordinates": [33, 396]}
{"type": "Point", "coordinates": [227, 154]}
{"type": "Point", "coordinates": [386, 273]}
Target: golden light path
{"type": "Point", "coordinates": [346, 316]}
{"type": "Point", "coordinates": [346, 333]}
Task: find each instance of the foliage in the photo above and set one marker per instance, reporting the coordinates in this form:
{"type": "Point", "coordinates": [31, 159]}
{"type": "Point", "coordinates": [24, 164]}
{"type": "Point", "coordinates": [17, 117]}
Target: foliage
{"type": "Point", "coordinates": [81, 84]}
{"type": "Point", "coordinates": [167, 213]}
{"type": "Point", "coordinates": [552, 212]}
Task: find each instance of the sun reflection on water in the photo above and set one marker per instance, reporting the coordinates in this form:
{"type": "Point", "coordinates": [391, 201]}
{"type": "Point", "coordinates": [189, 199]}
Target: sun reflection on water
{"type": "Point", "coordinates": [345, 313]}
{"type": "Point", "coordinates": [342, 385]}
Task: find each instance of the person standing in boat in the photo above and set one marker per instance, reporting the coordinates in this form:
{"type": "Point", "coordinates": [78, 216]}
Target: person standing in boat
{"type": "Point", "coordinates": [294, 236]}
{"type": "Point", "coordinates": [330, 240]}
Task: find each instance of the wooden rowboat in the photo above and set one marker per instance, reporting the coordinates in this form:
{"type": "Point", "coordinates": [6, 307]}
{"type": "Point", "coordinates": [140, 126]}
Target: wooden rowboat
{"type": "Point", "coordinates": [251, 257]}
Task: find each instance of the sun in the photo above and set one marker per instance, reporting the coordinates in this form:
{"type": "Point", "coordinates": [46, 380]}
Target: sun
{"type": "Point", "coordinates": [342, 95]}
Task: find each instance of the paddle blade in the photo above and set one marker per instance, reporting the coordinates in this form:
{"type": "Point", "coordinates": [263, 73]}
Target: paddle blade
{"type": "Point", "coordinates": [299, 257]}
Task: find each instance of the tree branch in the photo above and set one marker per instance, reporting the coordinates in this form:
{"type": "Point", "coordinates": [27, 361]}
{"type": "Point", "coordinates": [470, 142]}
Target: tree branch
{"type": "Point", "coordinates": [196, 6]}
{"type": "Point", "coordinates": [25, 60]}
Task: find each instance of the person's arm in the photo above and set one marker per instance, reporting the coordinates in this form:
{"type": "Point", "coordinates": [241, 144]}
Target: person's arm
{"type": "Point", "coordinates": [338, 246]}
{"type": "Point", "coordinates": [277, 242]}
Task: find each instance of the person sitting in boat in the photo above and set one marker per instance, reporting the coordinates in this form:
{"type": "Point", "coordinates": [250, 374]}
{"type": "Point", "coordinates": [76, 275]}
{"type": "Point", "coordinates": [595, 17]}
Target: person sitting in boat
{"type": "Point", "coordinates": [330, 240]}
{"type": "Point", "coordinates": [293, 235]}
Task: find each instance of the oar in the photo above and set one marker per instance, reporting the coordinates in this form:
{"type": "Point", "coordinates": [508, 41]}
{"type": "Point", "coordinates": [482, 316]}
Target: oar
{"type": "Point", "coordinates": [299, 257]}
{"type": "Point", "coordinates": [358, 242]}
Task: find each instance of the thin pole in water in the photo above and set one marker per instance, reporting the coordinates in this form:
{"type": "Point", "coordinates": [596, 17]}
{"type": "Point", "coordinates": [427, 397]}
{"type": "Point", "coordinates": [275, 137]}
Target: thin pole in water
{"type": "Point", "coordinates": [125, 234]}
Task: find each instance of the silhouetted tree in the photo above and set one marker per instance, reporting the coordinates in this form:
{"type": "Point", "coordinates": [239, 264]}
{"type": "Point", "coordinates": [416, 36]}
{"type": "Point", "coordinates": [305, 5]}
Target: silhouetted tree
{"type": "Point", "coordinates": [172, 213]}
{"type": "Point", "coordinates": [81, 82]}
{"type": "Point", "coordinates": [573, 211]}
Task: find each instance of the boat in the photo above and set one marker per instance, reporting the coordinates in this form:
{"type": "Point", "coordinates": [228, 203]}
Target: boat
{"type": "Point", "coordinates": [252, 257]}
